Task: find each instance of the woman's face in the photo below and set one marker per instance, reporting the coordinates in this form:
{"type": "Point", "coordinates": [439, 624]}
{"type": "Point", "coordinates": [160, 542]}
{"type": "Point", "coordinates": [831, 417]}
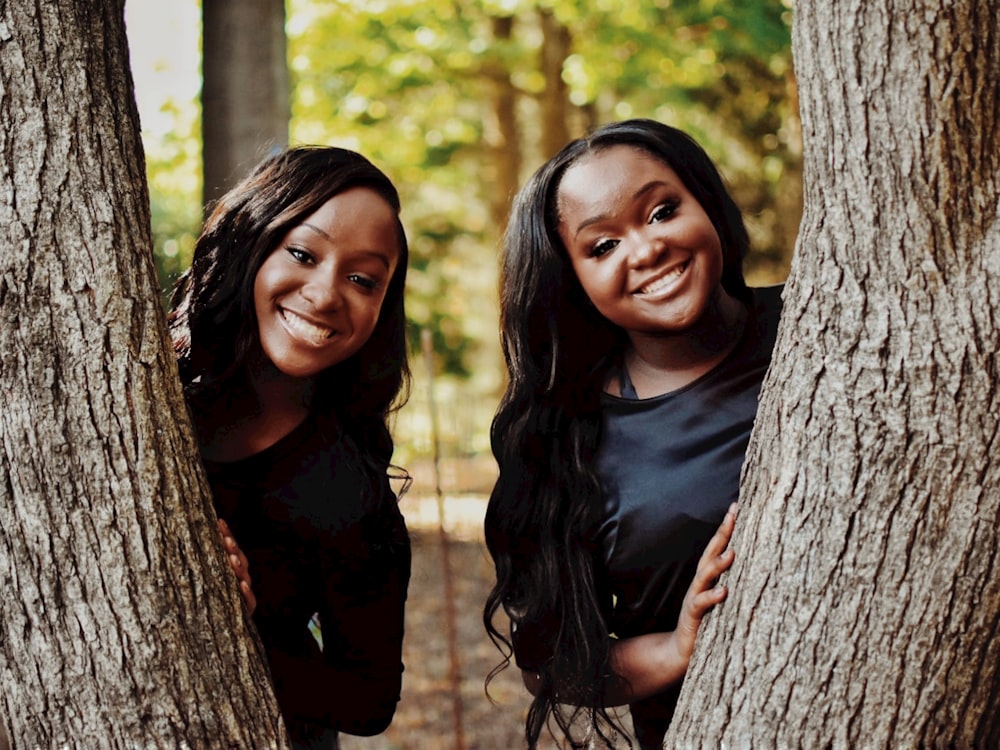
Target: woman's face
{"type": "Point", "coordinates": [318, 294]}
{"type": "Point", "coordinates": [646, 253]}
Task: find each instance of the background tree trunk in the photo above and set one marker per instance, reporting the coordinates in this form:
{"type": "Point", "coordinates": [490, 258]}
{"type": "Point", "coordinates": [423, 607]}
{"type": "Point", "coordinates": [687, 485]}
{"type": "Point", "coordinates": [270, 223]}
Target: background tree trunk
{"type": "Point", "coordinates": [555, 105]}
{"type": "Point", "coordinates": [245, 92]}
{"type": "Point", "coordinates": [864, 606]}
{"type": "Point", "coordinates": [120, 623]}
{"type": "Point", "coordinates": [502, 131]}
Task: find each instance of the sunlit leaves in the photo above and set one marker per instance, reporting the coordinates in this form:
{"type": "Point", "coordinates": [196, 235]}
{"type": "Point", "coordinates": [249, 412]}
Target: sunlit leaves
{"type": "Point", "coordinates": [173, 160]}
{"type": "Point", "coordinates": [416, 85]}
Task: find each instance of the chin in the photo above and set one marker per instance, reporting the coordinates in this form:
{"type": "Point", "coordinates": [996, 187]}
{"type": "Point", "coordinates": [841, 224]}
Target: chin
{"type": "Point", "coordinates": [298, 373]}
{"type": "Point", "coordinates": [299, 369]}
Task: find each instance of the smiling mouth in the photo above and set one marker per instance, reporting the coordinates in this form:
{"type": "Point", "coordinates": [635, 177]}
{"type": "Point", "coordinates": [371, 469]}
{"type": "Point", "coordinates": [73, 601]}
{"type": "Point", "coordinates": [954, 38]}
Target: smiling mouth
{"type": "Point", "coordinates": [304, 328]}
{"type": "Point", "coordinates": [664, 281]}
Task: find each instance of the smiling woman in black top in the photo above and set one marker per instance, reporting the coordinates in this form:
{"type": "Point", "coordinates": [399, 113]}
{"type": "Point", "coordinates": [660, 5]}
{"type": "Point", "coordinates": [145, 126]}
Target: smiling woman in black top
{"type": "Point", "coordinates": [289, 334]}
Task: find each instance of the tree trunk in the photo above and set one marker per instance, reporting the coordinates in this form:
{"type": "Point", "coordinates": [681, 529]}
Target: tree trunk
{"type": "Point", "coordinates": [556, 42]}
{"type": "Point", "coordinates": [120, 623]}
{"type": "Point", "coordinates": [502, 132]}
{"type": "Point", "coordinates": [245, 92]}
{"type": "Point", "coordinates": [864, 606]}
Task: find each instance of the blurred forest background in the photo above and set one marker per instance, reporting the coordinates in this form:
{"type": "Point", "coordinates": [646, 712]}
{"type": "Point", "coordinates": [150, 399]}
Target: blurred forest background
{"type": "Point", "coordinates": [459, 101]}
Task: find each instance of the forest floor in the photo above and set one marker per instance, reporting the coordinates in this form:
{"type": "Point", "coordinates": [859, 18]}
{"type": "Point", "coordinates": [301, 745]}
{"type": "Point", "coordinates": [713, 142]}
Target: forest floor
{"type": "Point", "coordinates": [445, 707]}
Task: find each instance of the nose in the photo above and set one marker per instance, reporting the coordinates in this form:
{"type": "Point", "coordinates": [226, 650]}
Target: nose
{"type": "Point", "coordinates": [647, 249]}
{"type": "Point", "coordinates": [322, 291]}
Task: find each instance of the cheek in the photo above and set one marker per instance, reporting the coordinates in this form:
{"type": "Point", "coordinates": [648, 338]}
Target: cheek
{"type": "Point", "coordinates": [263, 284]}
{"type": "Point", "coordinates": [596, 283]}
{"type": "Point", "coordinates": [582, 277]}
{"type": "Point", "coordinates": [718, 260]}
{"type": "Point", "coordinates": [368, 327]}
{"type": "Point", "coordinates": [260, 310]}
{"type": "Point", "coordinates": [710, 237]}
{"type": "Point", "coordinates": [367, 319]}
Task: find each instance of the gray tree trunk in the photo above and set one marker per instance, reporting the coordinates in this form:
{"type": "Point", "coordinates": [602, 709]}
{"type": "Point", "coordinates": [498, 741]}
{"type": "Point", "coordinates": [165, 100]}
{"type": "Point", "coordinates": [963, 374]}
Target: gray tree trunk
{"type": "Point", "coordinates": [120, 623]}
{"type": "Point", "coordinates": [245, 99]}
{"type": "Point", "coordinates": [864, 607]}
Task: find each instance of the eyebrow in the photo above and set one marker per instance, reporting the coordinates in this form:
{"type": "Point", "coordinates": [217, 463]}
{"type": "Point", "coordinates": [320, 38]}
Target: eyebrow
{"type": "Point", "coordinates": [377, 254]}
{"type": "Point", "coordinates": [635, 196]}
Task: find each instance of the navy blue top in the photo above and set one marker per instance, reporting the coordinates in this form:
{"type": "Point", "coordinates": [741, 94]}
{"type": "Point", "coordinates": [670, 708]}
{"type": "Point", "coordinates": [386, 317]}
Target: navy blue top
{"type": "Point", "coordinates": [323, 534]}
{"type": "Point", "coordinates": [670, 468]}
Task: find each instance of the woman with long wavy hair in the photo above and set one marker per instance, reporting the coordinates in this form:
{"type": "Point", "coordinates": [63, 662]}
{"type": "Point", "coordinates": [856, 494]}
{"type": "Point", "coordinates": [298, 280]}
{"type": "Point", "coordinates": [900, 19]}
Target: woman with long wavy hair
{"type": "Point", "coordinates": [635, 353]}
{"type": "Point", "coordinates": [289, 331]}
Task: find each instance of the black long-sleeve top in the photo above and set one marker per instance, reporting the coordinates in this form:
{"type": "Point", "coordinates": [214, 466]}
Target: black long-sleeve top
{"type": "Point", "coordinates": [323, 535]}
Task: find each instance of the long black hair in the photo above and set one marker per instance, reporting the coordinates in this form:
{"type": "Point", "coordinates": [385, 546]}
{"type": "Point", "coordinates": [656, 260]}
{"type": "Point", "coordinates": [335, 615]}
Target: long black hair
{"type": "Point", "coordinates": [213, 323]}
{"type": "Point", "coordinates": [558, 348]}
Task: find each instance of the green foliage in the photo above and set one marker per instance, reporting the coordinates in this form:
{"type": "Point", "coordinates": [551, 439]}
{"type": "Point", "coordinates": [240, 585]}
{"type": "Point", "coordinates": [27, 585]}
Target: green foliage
{"type": "Point", "coordinates": [413, 85]}
{"type": "Point", "coordinates": [416, 86]}
{"type": "Point", "coordinates": [173, 164]}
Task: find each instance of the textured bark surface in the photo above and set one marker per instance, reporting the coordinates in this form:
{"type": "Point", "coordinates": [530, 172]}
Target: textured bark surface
{"type": "Point", "coordinates": [120, 624]}
{"type": "Point", "coordinates": [245, 92]}
{"type": "Point", "coordinates": [864, 606]}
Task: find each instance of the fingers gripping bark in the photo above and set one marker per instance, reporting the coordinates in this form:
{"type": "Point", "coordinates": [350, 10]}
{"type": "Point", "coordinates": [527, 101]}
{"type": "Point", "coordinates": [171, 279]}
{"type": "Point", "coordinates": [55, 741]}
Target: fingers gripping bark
{"type": "Point", "coordinates": [240, 566]}
{"type": "Point", "coordinates": [704, 593]}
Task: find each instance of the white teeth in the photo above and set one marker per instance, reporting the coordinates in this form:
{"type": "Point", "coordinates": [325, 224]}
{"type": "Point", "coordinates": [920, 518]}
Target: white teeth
{"type": "Point", "coordinates": [664, 281]}
{"type": "Point", "coordinates": [300, 325]}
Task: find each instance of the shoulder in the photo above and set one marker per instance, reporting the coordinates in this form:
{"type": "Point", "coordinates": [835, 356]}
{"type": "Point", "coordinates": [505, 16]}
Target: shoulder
{"type": "Point", "coordinates": [768, 299]}
{"type": "Point", "coordinates": [763, 305]}
{"type": "Point", "coordinates": [766, 312]}
{"type": "Point", "coordinates": [357, 472]}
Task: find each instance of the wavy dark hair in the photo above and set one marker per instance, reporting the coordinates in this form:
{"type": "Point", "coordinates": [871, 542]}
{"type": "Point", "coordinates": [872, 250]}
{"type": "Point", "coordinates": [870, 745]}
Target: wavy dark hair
{"type": "Point", "coordinates": [558, 348]}
{"type": "Point", "coordinates": [213, 322]}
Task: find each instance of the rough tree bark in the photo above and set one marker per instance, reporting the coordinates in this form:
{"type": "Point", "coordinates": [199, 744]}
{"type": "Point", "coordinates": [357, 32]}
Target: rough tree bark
{"type": "Point", "coordinates": [120, 623]}
{"type": "Point", "coordinates": [864, 606]}
{"type": "Point", "coordinates": [245, 98]}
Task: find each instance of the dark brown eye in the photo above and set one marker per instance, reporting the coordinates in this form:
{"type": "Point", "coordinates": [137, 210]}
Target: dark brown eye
{"type": "Point", "coordinates": [663, 212]}
{"type": "Point", "coordinates": [363, 281]}
{"type": "Point", "coordinates": [302, 256]}
{"type": "Point", "coordinates": [602, 248]}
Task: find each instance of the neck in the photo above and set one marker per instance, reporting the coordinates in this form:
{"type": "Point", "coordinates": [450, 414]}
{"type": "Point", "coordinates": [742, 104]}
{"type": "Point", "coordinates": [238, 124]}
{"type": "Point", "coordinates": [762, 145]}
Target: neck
{"type": "Point", "coordinates": [276, 393]}
{"type": "Point", "coordinates": [255, 415]}
{"type": "Point", "coordinates": [661, 363]}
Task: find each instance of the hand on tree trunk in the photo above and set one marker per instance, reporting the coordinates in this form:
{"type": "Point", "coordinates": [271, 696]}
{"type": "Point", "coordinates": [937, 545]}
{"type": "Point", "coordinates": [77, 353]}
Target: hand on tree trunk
{"type": "Point", "coordinates": [703, 593]}
{"type": "Point", "coordinates": [652, 662]}
{"type": "Point", "coordinates": [238, 562]}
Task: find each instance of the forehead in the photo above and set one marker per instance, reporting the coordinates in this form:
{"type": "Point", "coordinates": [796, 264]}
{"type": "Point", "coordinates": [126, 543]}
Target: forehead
{"type": "Point", "coordinates": [353, 209]}
{"type": "Point", "coordinates": [356, 219]}
{"type": "Point", "coordinates": [611, 175]}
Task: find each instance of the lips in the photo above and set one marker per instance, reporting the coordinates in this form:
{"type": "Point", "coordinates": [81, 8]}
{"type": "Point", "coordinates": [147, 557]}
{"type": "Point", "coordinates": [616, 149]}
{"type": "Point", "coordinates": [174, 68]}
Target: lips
{"type": "Point", "coordinates": [661, 283]}
{"type": "Point", "coordinates": [305, 329]}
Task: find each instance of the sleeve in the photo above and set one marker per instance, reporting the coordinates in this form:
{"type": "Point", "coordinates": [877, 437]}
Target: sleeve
{"type": "Point", "coordinates": [354, 683]}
